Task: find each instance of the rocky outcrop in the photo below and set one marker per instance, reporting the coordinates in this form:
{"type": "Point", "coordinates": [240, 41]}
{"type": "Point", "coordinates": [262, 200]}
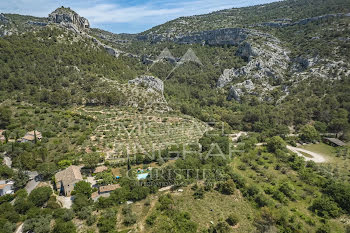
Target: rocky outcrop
{"type": "Point", "coordinates": [246, 52]}
{"type": "Point", "coordinates": [235, 94]}
{"type": "Point", "coordinates": [287, 22]}
{"type": "Point", "coordinates": [237, 90]}
{"type": "Point", "coordinates": [266, 59]}
{"type": "Point", "coordinates": [150, 82]}
{"type": "Point", "coordinates": [35, 23]}
{"type": "Point", "coordinates": [69, 19]}
{"type": "Point", "coordinates": [301, 64]}
{"type": "Point", "coordinates": [226, 36]}
{"type": "Point", "coordinates": [3, 19]}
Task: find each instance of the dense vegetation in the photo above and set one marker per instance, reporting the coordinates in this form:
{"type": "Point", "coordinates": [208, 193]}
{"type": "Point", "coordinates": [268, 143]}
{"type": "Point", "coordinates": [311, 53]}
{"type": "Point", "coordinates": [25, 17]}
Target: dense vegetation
{"type": "Point", "coordinates": [57, 67]}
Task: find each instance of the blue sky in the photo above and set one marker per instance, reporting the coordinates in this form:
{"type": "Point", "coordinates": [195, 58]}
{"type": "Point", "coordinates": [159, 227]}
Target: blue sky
{"type": "Point", "coordinates": [125, 16]}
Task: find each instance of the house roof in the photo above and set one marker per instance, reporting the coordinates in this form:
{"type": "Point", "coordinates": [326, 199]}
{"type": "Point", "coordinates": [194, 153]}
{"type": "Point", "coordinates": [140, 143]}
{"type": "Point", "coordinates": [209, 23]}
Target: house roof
{"type": "Point", "coordinates": [108, 188]}
{"type": "Point", "coordinates": [70, 174]}
{"type": "Point", "coordinates": [100, 169]}
{"type": "Point", "coordinates": [94, 195]}
{"type": "Point", "coordinates": [2, 186]}
{"type": "Point", "coordinates": [336, 141]}
{"type": "Point", "coordinates": [38, 134]}
{"type": "Point", "coordinates": [29, 137]}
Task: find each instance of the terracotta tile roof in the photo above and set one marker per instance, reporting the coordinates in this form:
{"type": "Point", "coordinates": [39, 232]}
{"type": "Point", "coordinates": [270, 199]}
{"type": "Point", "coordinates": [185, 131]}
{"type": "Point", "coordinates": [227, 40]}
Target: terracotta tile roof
{"type": "Point", "coordinates": [94, 195]}
{"type": "Point", "coordinates": [108, 188]}
{"type": "Point", "coordinates": [100, 169]}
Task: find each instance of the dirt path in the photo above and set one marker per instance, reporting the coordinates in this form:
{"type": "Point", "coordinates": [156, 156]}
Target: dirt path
{"type": "Point", "coordinates": [141, 224]}
{"type": "Point", "coordinates": [317, 158]}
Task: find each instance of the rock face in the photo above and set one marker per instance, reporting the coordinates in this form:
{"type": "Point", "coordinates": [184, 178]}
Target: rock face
{"type": "Point", "coordinates": [41, 24]}
{"type": "Point", "coordinates": [238, 89]}
{"type": "Point", "coordinates": [69, 19]}
{"type": "Point", "coordinates": [235, 94]}
{"type": "Point", "coordinates": [266, 59]}
{"type": "Point", "coordinates": [246, 51]}
{"type": "Point", "coordinates": [3, 19]}
{"type": "Point", "coordinates": [226, 36]}
{"type": "Point", "coordinates": [150, 82]}
{"type": "Point", "coordinates": [287, 22]}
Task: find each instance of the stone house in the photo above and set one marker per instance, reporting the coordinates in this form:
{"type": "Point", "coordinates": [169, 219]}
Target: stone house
{"type": "Point", "coordinates": [66, 179]}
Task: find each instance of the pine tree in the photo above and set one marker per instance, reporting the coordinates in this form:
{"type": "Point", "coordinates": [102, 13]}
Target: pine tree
{"type": "Point", "coordinates": [6, 137]}
{"type": "Point", "coordinates": [35, 140]}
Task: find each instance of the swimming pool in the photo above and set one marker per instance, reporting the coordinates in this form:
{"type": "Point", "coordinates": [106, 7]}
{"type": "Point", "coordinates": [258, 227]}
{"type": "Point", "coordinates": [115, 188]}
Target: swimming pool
{"type": "Point", "coordinates": [142, 176]}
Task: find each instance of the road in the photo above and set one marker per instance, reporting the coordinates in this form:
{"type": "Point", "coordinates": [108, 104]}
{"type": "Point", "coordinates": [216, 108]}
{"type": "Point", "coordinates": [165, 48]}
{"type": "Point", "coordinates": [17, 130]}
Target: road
{"type": "Point", "coordinates": [8, 161]}
{"type": "Point", "coordinates": [317, 158]}
{"type": "Point", "coordinates": [32, 183]}
{"type": "Point", "coordinates": [19, 229]}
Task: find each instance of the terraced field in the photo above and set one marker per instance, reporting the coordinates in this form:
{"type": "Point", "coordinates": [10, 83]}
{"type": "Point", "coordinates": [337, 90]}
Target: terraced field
{"type": "Point", "coordinates": [127, 131]}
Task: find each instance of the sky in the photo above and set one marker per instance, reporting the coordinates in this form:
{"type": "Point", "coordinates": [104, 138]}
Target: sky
{"type": "Point", "coordinates": [125, 16]}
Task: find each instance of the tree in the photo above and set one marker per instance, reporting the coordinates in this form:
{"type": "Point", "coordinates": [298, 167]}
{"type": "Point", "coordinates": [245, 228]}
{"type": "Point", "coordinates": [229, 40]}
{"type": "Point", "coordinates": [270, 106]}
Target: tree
{"type": "Point", "coordinates": [5, 116]}
{"type": "Point", "coordinates": [47, 170]}
{"type": "Point", "coordinates": [40, 224]}
{"type": "Point", "coordinates": [5, 172]}
{"type": "Point", "coordinates": [22, 205]}
{"type": "Point", "coordinates": [105, 178]}
{"type": "Point", "coordinates": [40, 195]}
{"type": "Point", "coordinates": [64, 227]}
{"type": "Point", "coordinates": [91, 160]}
{"type": "Point", "coordinates": [275, 143]}
{"type": "Point", "coordinates": [84, 188]}
{"type": "Point", "coordinates": [20, 178]}
{"type": "Point", "coordinates": [81, 201]}
{"type": "Point", "coordinates": [308, 133]}
{"type": "Point", "coordinates": [106, 222]}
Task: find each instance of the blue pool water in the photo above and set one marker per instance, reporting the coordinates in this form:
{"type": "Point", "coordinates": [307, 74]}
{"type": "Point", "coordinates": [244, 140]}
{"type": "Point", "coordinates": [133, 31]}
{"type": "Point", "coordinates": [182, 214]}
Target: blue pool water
{"type": "Point", "coordinates": [142, 176]}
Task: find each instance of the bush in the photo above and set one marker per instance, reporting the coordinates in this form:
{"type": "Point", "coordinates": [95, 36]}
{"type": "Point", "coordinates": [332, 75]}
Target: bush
{"type": "Point", "coordinates": [228, 187]}
{"type": "Point", "coordinates": [232, 220]}
{"type": "Point", "coordinates": [325, 207]}
{"type": "Point", "coordinates": [129, 219]}
{"type": "Point", "coordinates": [199, 193]}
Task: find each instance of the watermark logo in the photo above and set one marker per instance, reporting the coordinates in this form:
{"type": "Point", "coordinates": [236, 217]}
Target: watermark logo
{"type": "Point", "coordinates": [189, 56]}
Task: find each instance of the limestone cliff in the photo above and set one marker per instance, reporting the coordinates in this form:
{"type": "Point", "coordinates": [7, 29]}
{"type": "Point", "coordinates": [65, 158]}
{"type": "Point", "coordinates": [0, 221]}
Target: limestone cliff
{"type": "Point", "coordinates": [70, 19]}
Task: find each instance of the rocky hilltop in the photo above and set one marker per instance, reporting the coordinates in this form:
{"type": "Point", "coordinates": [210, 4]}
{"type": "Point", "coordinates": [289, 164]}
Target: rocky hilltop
{"type": "Point", "coordinates": [69, 19]}
{"type": "Point", "coordinates": [65, 17]}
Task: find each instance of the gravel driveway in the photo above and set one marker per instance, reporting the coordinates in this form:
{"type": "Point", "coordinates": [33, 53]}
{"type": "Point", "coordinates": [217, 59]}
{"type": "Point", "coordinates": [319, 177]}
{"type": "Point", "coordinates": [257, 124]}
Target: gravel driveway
{"type": "Point", "coordinates": [317, 158]}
